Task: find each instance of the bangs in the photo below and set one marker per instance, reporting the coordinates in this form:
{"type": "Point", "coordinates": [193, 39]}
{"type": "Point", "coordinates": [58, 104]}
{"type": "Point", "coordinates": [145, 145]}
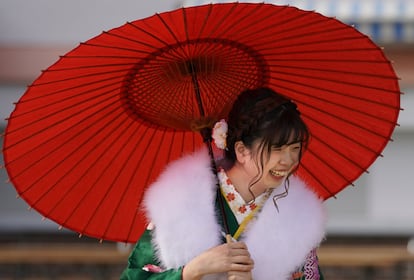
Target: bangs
{"type": "Point", "coordinates": [287, 129]}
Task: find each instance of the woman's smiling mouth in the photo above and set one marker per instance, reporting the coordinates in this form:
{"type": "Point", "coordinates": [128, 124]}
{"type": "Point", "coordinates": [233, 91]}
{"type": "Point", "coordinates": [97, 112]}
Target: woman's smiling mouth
{"type": "Point", "coordinates": [279, 173]}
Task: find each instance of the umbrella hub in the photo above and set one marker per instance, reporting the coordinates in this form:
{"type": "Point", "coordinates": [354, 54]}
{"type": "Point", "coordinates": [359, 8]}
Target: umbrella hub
{"type": "Point", "coordinates": [192, 80]}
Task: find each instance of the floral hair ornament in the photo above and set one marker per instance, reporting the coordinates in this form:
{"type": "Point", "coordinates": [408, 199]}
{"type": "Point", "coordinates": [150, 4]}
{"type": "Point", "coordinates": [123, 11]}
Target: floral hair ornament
{"type": "Point", "coordinates": [219, 134]}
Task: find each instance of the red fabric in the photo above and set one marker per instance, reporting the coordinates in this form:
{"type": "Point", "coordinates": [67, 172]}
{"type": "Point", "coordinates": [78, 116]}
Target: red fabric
{"type": "Point", "coordinates": [99, 125]}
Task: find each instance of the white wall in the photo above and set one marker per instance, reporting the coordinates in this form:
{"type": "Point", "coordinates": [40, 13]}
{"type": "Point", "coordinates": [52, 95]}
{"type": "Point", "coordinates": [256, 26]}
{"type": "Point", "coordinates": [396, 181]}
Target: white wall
{"type": "Point", "coordinates": [69, 22]}
{"type": "Point", "coordinates": [382, 202]}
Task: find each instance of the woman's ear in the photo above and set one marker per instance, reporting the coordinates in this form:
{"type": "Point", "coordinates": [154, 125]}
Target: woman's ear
{"type": "Point", "coordinates": [242, 152]}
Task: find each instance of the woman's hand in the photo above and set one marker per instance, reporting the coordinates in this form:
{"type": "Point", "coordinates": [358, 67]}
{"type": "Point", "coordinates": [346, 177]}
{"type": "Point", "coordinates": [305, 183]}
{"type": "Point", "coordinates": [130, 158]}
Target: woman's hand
{"type": "Point", "coordinates": [230, 257]}
{"type": "Point", "coordinates": [239, 275]}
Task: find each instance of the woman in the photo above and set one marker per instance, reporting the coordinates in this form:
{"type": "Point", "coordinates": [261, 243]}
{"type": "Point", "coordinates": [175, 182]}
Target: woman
{"type": "Point", "coordinates": [275, 221]}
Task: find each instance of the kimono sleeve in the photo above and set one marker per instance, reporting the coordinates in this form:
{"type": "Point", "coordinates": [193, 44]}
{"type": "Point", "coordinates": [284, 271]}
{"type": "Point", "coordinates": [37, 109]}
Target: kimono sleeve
{"type": "Point", "coordinates": [310, 270]}
{"type": "Point", "coordinates": [141, 257]}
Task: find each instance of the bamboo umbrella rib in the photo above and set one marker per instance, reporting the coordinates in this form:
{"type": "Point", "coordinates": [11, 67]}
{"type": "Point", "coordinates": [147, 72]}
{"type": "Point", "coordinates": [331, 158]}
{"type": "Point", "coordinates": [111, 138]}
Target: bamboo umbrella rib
{"type": "Point", "coordinates": [132, 40]}
{"type": "Point", "coordinates": [302, 31]}
{"type": "Point", "coordinates": [333, 170]}
{"type": "Point", "coordinates": [85, 172]}
{"type": "Point", "coordinates": [118, 48]}
{"type": "Point", "coordinates": [345, 136]}
{"type": "Point", "coordinates": [108, 166]}
{"type": "Point", "coordinates": [340, 154]}
{"type": "Point", "coordinates": [329, 101]}
{"type": "Point", "coordinates": [333, 70]}
{"type": "Point", "coordinates": [83, 76]}
{"type": "Point", "coordinates": [84, 156]}
{"type": "Point", "coordinates": [58, 121]}
{"type": "Point", "coordinates": [68, 89]}
{"type": "Point", "coordinates": [118, 203]}
{"type": "Point", "coordinates": [52, 167]}
{"type": "Point", "coordinates": [316, 179]}
{"type": "Point", "coordinates": [55, 148]}
{"type": "Point", "coordinates": [378, 89]}
{"type": "Point", "coordinates": [353, 123]}
{"type": "Point", "coordinates": [95, 184]}
{"type": "Point", "coordinates": [67, 98]}
{"type": "Point", "coordinates": [92, 66]}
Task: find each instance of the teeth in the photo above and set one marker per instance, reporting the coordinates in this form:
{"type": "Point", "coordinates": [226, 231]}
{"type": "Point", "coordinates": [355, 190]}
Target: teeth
{"type": "Point", "coordinates": [278, 173]}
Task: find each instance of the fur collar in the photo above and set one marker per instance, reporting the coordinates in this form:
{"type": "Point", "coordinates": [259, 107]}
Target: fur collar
{"type": "Point", "coordinates": [181, 205]}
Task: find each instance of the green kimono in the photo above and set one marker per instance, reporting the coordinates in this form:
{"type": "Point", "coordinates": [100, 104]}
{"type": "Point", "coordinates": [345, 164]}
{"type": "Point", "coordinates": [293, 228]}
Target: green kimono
{"type": "Point", "coordinates": [143, 255]}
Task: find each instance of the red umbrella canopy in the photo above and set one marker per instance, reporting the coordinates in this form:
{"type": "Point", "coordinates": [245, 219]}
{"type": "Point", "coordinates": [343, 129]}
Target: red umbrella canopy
{"type": "Point", "coordinates": [97, 127]}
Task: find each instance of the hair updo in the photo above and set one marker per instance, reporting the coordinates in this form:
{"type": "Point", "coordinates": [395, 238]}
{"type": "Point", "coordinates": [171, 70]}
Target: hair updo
{"type": "Point", "coordinates": [266, 116]}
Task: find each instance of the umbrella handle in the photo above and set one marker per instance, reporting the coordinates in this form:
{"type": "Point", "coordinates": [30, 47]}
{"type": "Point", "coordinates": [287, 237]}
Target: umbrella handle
{"type": "Point", "coordinates": [206, 134]}
{"type": "Point", "coordinates": [229, 239]}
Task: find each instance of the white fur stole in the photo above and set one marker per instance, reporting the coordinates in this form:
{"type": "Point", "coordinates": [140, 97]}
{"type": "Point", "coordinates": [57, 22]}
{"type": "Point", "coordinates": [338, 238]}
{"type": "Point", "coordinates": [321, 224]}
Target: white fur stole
{"type": "Point", "coordinates": [181, 204]}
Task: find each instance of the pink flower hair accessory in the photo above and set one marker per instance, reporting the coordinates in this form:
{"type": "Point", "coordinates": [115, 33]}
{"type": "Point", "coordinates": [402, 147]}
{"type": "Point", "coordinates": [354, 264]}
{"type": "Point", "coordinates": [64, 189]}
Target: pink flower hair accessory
{"type": "Point", "coordinates": [219, 134]}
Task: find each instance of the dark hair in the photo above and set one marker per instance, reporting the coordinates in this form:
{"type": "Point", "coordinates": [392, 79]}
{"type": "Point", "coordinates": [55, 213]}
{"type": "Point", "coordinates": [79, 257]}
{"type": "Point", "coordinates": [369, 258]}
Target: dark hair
{"type": "Point", "coordinates": [266, 116]}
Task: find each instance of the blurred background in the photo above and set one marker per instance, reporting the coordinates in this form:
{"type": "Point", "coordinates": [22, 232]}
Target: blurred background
{"type": "Point", "coordinates": [370, 225]}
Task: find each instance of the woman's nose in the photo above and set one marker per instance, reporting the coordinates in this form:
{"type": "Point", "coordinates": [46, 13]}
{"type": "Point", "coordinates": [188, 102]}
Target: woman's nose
{"type": "Point", "coordinates": [287, 157]}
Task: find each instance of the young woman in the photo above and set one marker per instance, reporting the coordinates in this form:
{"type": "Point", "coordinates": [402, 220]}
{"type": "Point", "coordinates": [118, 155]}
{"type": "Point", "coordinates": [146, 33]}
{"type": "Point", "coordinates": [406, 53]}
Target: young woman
{"type": "Point", "coordinates": [272, 220]}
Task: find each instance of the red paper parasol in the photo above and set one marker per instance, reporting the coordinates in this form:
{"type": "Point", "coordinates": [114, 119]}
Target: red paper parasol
{"type": "Point", "coordinates": [99, 125]}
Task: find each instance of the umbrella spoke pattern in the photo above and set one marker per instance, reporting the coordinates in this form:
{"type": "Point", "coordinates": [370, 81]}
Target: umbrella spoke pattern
{"type": "Point", "coordinates": [98, 126]}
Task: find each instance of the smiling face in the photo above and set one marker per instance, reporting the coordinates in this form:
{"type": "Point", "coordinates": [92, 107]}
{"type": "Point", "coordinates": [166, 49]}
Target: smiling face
{"type": "Point", "coordinates": [265, 139]}
{"type": "Point", "coordinates": [268, 168]}
{"type": "Point", "coordinates": [282, 162]}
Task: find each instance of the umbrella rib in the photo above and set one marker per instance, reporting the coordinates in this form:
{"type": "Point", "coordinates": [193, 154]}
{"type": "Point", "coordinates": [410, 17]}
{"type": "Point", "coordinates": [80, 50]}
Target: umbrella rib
{"type": "Point", "coordinates": [83, 76]}
{"type": "Point", "coordinates": [288, 31]}
{"type": "Point", "coordinates": [220, 23]}
{"type": "Point", "coordinates": [156, 50]}
{"type": "Point", "coordinates": [345, 135]}
{"type": "Point", "coordinates": [352, 108]}
{"type": "Point", "coordinates": [74, 166]}
{"type": "Point", "coordinates": [390, 77]}
{"type": "Point", "coordinates": [91, 187]}
{"type": "Point", "coordinates": [380, 89]}
{"type": "Point", "coordinates": [149, 33]}
{"type": "Point", "coordinates": [356, 163]}
{"type": "Point", "coordinates": [354, 124]}
{"type": "Point", "coordinates": [274, 51]}
{"type": "Point", "coordinates": [317, 180]}
{"type": "Point", "coordinates": [205, 21]}
{"type": "Point", "coordinates": [48, 140]}
{"type": "Point", "coordinates": [348, 182]}
{"type": "Point", "coordinates": [167, 27]}
{"type": "Point", "coordinates": [260, 19]}
{"type": "Point", "coordinates": [62, 132]}
{"type": "Point", "coordinates": [57, 122]}
{"type": "Point", "coordinates": [241, 28]}
{"type": "Point", "coordinates": [130, 181]}
{"type": "Point", "coordinates": [184, 15]}
{"type": "Point", "coordinates": [342, 105]}
{"type": "Point", "coordinates": [66, 89]}
{"type": "Point", "coordinates": [131, 40]}
{"type": "Point", "coordinates": [61, 100]}
{"type": "Point", "coordinates": [336, 59]}
{"type": "Point", "coordinates": [116, 57]}
{"type": "Point", "coordinates": [256, 13]}
{"type": "Point", "coordinates": [90, 66]}
{"type": "Point", "coordinates": [113, 48]}
{"type": "Point", "coordinates": [91, 217]}
{"type": "Point", "coordinates": [339, 93]}
{"type": "Point", "coordinates": [139, 200]}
